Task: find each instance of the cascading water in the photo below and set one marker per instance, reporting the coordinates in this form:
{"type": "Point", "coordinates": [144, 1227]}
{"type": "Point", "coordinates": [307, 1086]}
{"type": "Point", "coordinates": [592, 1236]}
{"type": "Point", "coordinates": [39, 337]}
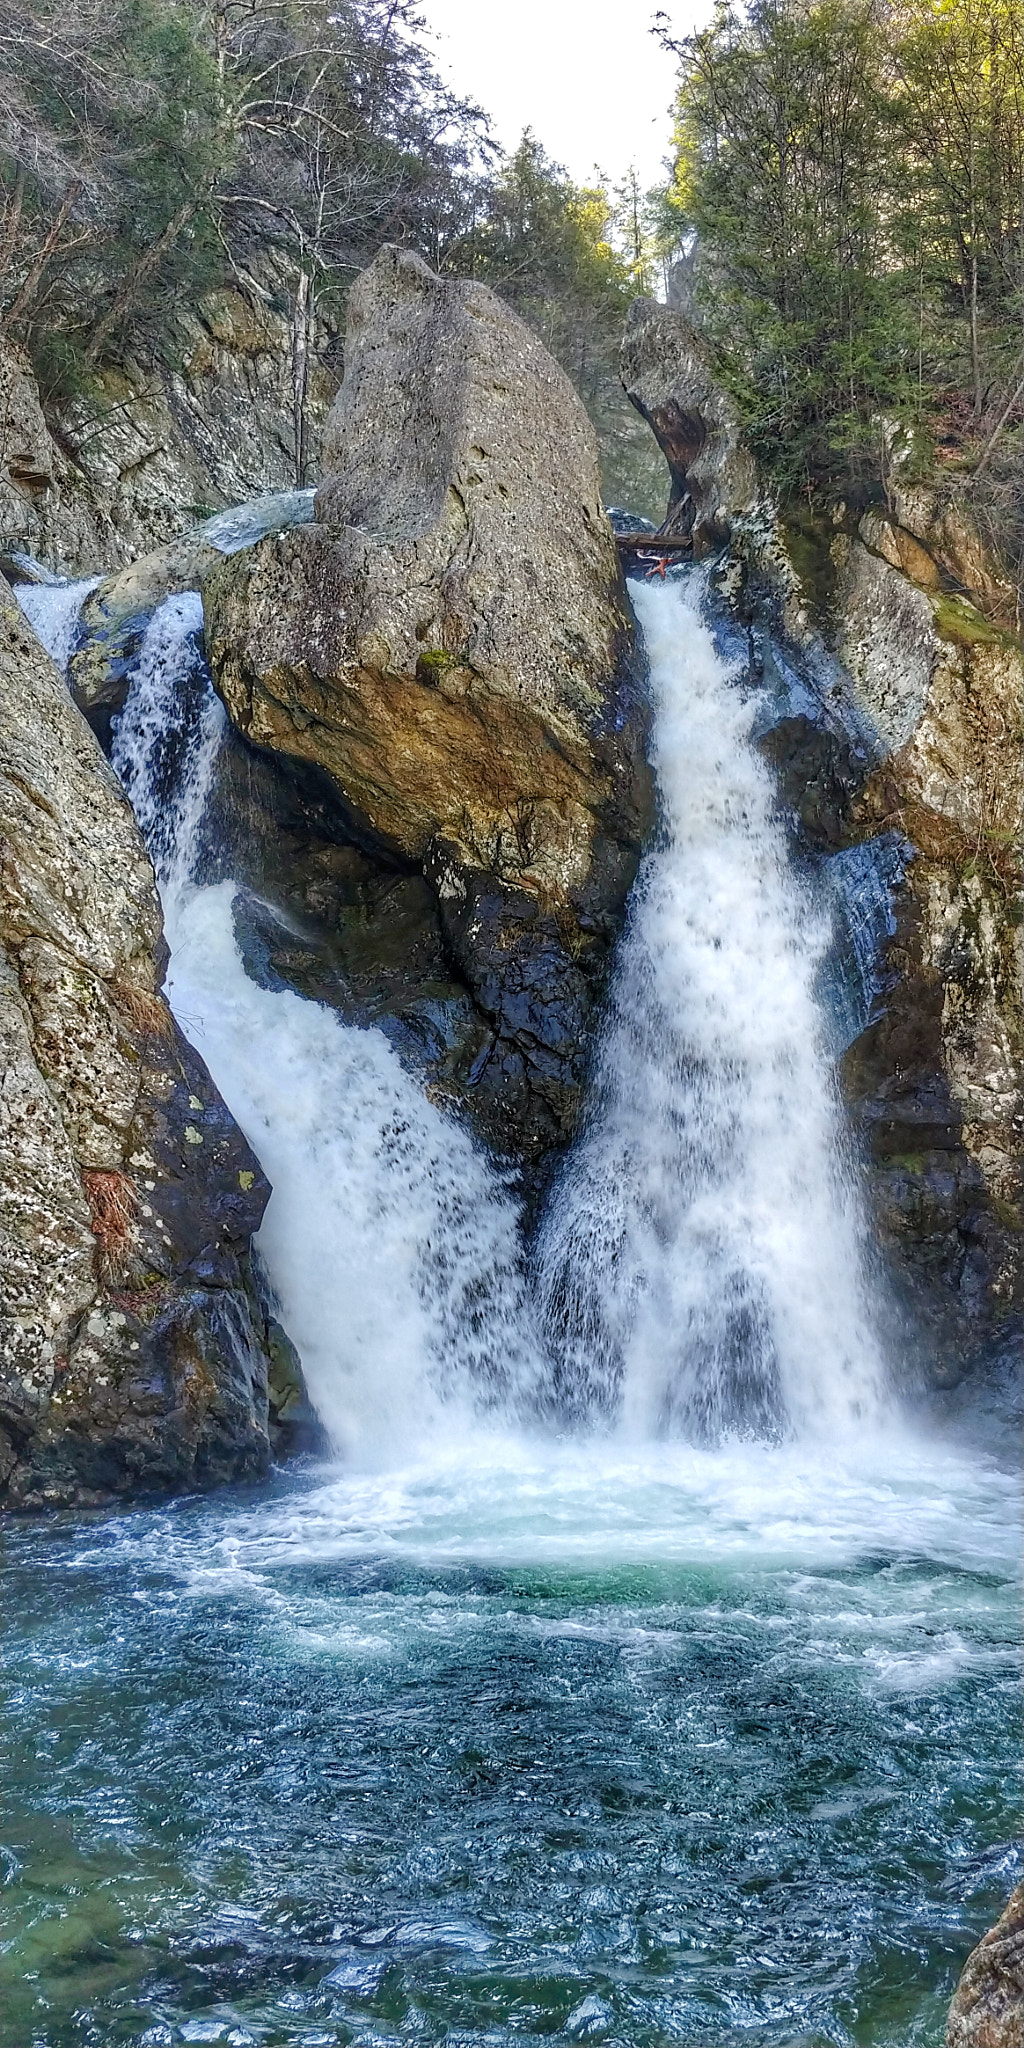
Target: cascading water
{"type": "Point", "coordinates": [52, 609]}
{"type": "Point", "coordinates": [700, 1260]}
{"type": "Point", "coordinates": [698, 1268]}
{"type": "Point", "coordinates": [390, 1241]}
{"type": "Point", "coordinates": [521, 1739]}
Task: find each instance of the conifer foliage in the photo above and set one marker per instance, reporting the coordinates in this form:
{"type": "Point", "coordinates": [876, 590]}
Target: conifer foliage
{"type": "Point", "coordinates": [851, 173]}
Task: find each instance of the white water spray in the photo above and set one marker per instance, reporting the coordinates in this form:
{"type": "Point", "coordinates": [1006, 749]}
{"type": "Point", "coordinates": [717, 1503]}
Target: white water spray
{"type": "Point", "coordinates": [391, 1242]}
{"type": "Point", "coordinates": [700, 1260]}
{"type": "Point", "coordinates": [52, 610]}
{"type": "Point", "coordinates": [699, 1265]}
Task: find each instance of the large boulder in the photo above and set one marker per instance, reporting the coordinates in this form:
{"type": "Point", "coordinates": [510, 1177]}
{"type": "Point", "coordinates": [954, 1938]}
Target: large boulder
{"type": "Point", "coordinates": [450, 643]}
{"type": "Point", "coordinates": [988, 2005]}
{"type": "Point", "coordinates": [133, 1348]}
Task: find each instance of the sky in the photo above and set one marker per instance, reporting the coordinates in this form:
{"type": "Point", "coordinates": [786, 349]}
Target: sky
{"type": "Point", "coordinates": [585, 75]}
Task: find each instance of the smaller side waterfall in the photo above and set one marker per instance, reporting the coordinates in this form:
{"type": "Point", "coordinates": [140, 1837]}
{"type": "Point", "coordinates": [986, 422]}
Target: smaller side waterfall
{"type": "Point", "coordinates": [166, 743]}
{"type": "Point", "coordinates": [391, 1242]}
{"type": "Point", "coordinates": [52, 610]}
{"type": "Point", "coordinates": [700, 1258]}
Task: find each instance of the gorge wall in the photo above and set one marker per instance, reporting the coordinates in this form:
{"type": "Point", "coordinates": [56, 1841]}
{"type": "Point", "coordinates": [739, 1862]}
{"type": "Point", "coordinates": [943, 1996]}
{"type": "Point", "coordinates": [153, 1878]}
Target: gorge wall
{"type": "Point", "coordinates": [432, 801]}
{"type": "Point", "coordinates": [887, 635]}
{"type": "Point", "coordinates": [160, 442]}
{"type": "Point", "coordinates": [133, 1343]}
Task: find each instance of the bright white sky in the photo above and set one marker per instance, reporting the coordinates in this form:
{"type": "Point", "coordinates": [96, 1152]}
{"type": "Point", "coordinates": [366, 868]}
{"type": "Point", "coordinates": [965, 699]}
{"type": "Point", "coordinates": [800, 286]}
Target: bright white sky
{"type": "Point", "coordinates": [585, 75]}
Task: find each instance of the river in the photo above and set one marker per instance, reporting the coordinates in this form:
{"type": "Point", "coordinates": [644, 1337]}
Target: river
{"type": "Point", "coordinates": [641, 1666]}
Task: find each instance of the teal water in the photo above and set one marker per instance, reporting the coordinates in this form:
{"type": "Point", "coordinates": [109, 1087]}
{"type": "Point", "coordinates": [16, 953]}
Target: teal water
{"type": "Point", "coordinates": [524, 1744]}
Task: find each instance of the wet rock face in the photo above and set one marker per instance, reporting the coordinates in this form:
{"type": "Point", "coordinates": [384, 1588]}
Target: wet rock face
{"type": "Point", "coordinates": [988, 2005]}
{"type": "Point", "coordinates": [893, 692]}
{"type": "Point", "coordinates": [468, 981]}
{"type": "Point", "coordinates": [938, 1084]}
{"type": "Point", "coordinates": [917, 737]}
{"type": "Point", "coordinates": [132, 1343]}
{"type": "Point", "coordinates": [450, 643]}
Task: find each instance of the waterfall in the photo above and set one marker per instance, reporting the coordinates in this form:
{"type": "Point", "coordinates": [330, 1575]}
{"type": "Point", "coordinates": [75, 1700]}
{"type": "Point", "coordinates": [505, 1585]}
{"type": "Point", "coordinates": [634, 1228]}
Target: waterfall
{"type": "Point", "coordinates": [52, 609]}
{"type": "Point", "coordinates": [391, 1242]}
{"type": "Point", "coordinates": [700, 1265]}
{"type": "Point", "coordinates": [166, 743]}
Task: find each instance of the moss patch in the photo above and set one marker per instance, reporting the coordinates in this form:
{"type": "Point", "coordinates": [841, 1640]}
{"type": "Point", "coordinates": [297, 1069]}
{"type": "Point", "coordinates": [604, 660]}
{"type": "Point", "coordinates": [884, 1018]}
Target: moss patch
{"type": "Point", "coordinates": [809, 538]}
{"type": "Point", "coordinates": [958, 621]}
{"type": "Point", "coordinates": [434, 662]}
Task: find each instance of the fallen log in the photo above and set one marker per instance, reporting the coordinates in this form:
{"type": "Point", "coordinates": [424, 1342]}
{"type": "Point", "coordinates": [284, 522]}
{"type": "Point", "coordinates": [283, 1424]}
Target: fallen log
{"type": "Point", "coordinates": [657, 543]}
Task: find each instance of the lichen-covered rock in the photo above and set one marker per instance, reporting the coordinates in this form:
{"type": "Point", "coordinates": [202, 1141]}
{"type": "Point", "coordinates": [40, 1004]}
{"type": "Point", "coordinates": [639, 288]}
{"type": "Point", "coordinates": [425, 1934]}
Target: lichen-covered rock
{"type": "Point", "coordinates": [132, 1345]}
{"type": "Point", "coordinates": [947, 537]}
{"type": "Point", "coordinates": [44, 510]}
{"type": "Point", "coordinates": [988, 2005]}
{"type": "Point", "coordinates": [667, 374]}
{"type": "Point", "coordinates": [451, 644]}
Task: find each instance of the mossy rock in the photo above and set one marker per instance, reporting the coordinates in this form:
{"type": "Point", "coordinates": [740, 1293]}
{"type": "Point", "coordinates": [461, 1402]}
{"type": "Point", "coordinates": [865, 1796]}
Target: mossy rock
{"type": "Point", "coordinates": [958, 621]}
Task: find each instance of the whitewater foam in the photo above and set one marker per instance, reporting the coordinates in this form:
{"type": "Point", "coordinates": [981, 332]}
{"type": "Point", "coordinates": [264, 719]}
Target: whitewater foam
{"type": "Point", "coordinates": [699, 1268]}
{"type": "Point", "coordinates": [52, 609]}
{"type": "Point", "coordinates": [701, 1265]}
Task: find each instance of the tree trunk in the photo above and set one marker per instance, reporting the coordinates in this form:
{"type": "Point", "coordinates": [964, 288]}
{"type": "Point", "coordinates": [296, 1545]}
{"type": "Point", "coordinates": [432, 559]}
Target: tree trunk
{"type": "Point", "coordinates": [300, 370]}
{"type": "Point", "coordinates": [975, 346]}
{"type": "Point", "coordinates": [1014, 399]}
{"type": "Point", "coordinates": [31, 284]}
{"type": "Point", "coordinates": [147, 262]}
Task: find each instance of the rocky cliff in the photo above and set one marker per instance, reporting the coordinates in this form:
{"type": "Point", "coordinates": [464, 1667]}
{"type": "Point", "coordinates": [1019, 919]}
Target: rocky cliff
{"type": "Point", "coordinates": [450, 648]}
{"type": "Point", "coordinates": [146, 450]}
{"type": "Point", "coordinates": [133, 1347]}
{"type": "Point", "coordinates": [896, 692]}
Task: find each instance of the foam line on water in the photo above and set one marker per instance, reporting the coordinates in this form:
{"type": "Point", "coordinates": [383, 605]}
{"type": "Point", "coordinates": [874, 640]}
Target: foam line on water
{"type": "Point", "coordinates": [900, 1499]}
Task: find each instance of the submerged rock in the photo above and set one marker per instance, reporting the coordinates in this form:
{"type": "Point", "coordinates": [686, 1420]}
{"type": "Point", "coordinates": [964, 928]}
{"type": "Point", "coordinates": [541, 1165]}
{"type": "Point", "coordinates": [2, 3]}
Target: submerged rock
{"type": "Point", "coordinates": [988, 2005]}
{"type": "Point", "coordinates": [133, 1351]}
{"type": "Point", "coordinates": [451, 644]}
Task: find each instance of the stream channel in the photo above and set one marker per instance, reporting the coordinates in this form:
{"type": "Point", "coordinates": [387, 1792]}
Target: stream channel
{"type": "Point", "coordinates": [640, 1669]}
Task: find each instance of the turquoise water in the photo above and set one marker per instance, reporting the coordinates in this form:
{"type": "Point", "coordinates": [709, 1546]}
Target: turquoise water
{"type": "Point", "coordinates": [530, 1743]}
